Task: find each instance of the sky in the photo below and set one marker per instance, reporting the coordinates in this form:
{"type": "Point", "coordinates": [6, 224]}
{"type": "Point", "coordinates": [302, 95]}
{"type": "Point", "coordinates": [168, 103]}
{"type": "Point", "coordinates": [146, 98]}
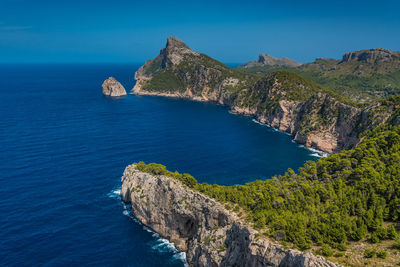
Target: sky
{"type": "Point", "coordinates": [232, 31]}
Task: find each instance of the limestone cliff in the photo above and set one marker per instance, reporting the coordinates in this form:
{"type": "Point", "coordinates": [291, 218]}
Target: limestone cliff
{"type": "Point", "coordinates": [315, 116]}
{"type": "Point", "coordinates": [208, 233]}
{"type": "Point", "coordinates": [111, 87]}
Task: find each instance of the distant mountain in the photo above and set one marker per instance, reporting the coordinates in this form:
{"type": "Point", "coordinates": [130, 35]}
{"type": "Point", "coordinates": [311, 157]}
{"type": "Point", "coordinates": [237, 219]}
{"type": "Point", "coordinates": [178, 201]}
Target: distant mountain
{"type": "Point", "coordinates": [361, 75]}
{"type": "Point", "coordinates": [267, 60]}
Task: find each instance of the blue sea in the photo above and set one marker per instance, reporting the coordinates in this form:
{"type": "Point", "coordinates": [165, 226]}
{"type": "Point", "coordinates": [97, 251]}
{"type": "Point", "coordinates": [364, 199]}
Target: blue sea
{"type": "Point", "coordinates": [64, 147]}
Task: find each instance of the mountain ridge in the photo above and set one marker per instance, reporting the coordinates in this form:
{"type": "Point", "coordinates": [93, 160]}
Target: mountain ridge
{"type": "Point", "coordinates": [363, 75]}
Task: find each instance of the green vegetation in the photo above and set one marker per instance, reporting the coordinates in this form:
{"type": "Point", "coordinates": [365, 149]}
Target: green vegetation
{"type": "Point", "coordinates": [331, 202]}
{"type": "Point", "coordinates": [356, 80]}
{"type": "Point", "coordinates": [382, 254]}
{"type": "Point", "coordinates": [369, 253]}
{"type": "Point", "coordinates": [165, 80]}
{"type": "Point", "coordinates": [325, 251]}
{"type": "Point", "coordinates": [190, 74]}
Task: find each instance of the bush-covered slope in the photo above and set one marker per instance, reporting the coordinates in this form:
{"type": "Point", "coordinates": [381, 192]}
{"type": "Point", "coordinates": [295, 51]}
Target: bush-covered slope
{"type": "Point", "coordinates": [363, 75]}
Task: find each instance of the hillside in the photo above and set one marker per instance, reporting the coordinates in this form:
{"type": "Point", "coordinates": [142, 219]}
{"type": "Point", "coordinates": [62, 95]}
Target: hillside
{"type": "Point", "coordinates": [362, 75]}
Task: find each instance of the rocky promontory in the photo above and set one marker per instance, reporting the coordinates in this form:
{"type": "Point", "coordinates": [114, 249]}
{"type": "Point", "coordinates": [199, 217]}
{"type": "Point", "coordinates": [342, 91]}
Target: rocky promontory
{"type": "Point", "coordinates": [111, 87]}
{"type": "Point", "coordinates": [198, 225]}
{"type": "Point", "coordinates": [316, 116]}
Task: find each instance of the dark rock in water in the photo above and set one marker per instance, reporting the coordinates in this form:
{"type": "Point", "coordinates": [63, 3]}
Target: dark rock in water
{"type": "Point", "coordinates": [111, 87]}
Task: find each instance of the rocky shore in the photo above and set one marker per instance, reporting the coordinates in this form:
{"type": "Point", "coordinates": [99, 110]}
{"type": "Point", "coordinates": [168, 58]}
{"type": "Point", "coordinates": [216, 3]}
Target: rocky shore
{"type": "Point", "coordinates": [198, 225]}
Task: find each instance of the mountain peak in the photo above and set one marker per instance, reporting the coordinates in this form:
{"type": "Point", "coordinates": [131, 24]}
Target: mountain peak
{"type": "Point", "coordinates": [173, 42]}
{"type": "Point", "coordinates": [174, 52]}
{"type": "Point", "coordinates": [267, 60]}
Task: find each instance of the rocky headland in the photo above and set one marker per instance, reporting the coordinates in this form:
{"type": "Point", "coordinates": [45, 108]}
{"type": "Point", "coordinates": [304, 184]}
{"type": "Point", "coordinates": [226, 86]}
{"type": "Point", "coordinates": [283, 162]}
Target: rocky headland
{"type": "Point", "coordinates": [198, 225]}
{"type": "Point", "coordinates": [316, 117]}
{"type": "Point", "coordinates": [111, 87]}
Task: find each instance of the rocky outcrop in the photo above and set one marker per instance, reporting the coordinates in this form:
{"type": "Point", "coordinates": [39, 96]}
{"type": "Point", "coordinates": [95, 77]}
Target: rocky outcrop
{"type": "Point", "coordinates": [111, 87]}
{"type": "Point", "coordinates": [371, 55]}
{"type": "Point", "coordinates": [198, 225]}
{"type": "Point", "coordinates": [267, 60]}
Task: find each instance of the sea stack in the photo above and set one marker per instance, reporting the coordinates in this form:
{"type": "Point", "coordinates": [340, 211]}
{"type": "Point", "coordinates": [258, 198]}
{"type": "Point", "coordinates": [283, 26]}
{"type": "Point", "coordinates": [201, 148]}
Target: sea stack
{"type": "Point", "coordinates": [111, 87]}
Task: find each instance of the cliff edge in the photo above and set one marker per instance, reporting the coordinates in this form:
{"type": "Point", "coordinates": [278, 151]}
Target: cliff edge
{"type": "Point", "coordinates": [198, 225]}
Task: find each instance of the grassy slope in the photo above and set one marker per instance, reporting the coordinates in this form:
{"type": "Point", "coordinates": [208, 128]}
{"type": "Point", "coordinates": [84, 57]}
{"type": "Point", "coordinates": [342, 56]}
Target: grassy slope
{"type": "Point", "coordinates": [366, 82]}
{"type": "Point", "coordinates": [176, 79]}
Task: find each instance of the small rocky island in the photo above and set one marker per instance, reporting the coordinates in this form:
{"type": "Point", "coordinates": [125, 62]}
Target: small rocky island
{"type": "Point", "coordinates": [111, 87]}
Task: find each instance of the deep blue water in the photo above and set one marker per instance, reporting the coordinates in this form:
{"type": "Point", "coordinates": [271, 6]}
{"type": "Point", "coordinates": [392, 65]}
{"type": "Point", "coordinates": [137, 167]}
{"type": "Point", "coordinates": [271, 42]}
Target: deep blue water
{"type": "Point", "coordinates": [63, 148]}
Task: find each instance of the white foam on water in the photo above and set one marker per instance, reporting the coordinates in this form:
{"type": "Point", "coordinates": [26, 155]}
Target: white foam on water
{"type": "Point", "coordinates": [163, 245]}
{"type": "Point", "coordinates": [263, 124]}
{"type": "Point", "coordinates": [115, 193]}
{"type": "Point", "coordinates": [181, 256]}
{"type": "Point", "coordinates": [127, 213]}
{"type": "Point", "coordinates": [316, 153]}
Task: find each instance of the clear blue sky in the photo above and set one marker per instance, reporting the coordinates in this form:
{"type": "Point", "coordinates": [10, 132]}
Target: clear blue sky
{"type": "Point", "coordinates": [231, 31]}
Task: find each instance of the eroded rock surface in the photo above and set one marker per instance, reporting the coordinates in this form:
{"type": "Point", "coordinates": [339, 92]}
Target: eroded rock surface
{"type": "Point", "coordinates": [111, 87]}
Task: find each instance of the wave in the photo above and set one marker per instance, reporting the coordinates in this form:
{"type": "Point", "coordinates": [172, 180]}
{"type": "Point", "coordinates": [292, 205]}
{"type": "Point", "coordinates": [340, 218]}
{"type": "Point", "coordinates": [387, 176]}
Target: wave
{"type": "Point", "coordinates": [115, 193]}
{"type": "Point", "coordinates": [163, 245]}
{"type": "Point", "coordinates": [263, 124]}
{"type": "Point", "coordinates": [316, 153]}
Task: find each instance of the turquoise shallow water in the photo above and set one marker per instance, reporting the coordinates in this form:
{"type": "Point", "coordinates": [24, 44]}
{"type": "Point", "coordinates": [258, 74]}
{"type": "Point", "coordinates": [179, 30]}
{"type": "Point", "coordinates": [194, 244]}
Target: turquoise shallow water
{"type": "Point", "coordinates": [63, 148]}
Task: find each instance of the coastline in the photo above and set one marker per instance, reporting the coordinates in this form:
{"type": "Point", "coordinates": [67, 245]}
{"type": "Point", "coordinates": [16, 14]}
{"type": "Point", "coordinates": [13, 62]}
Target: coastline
{"type": "Point", "coordinates": [256, 119]}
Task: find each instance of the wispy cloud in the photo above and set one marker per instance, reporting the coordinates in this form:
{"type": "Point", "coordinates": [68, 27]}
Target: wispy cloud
{"type": "Point", "coordinates": [14, 28]}
{"type": "Point", "coordinates": [7, 27]}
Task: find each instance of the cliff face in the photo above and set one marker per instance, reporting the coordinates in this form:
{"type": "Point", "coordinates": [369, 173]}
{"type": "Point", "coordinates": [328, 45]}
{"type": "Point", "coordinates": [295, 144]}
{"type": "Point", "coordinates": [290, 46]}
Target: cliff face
{"type": "Point", "coordinates": [374, 56]}
{"type": "Point", "coordinates": [111, 87]}
{"type": "Point", "coordinates": [208, 233]}
{"type": "Point", "coordinates": [315, 116]}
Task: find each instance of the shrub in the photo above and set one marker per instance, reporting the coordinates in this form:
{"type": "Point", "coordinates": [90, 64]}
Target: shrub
{"type": "Point", "coordinates": [369, 253]}
{"type": "Point", "coordinates": [391, 232]}
{"type": "Point", "coordinates": [374, 238]}
{"type": "Point", "coordinates": [339, 254]}
{"type": "Point", "coordinates": [325, 250]}
{"type": "Point", "coordinates": [382, 254]}
{"type": "Point", "coordinates": [397, 243]}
